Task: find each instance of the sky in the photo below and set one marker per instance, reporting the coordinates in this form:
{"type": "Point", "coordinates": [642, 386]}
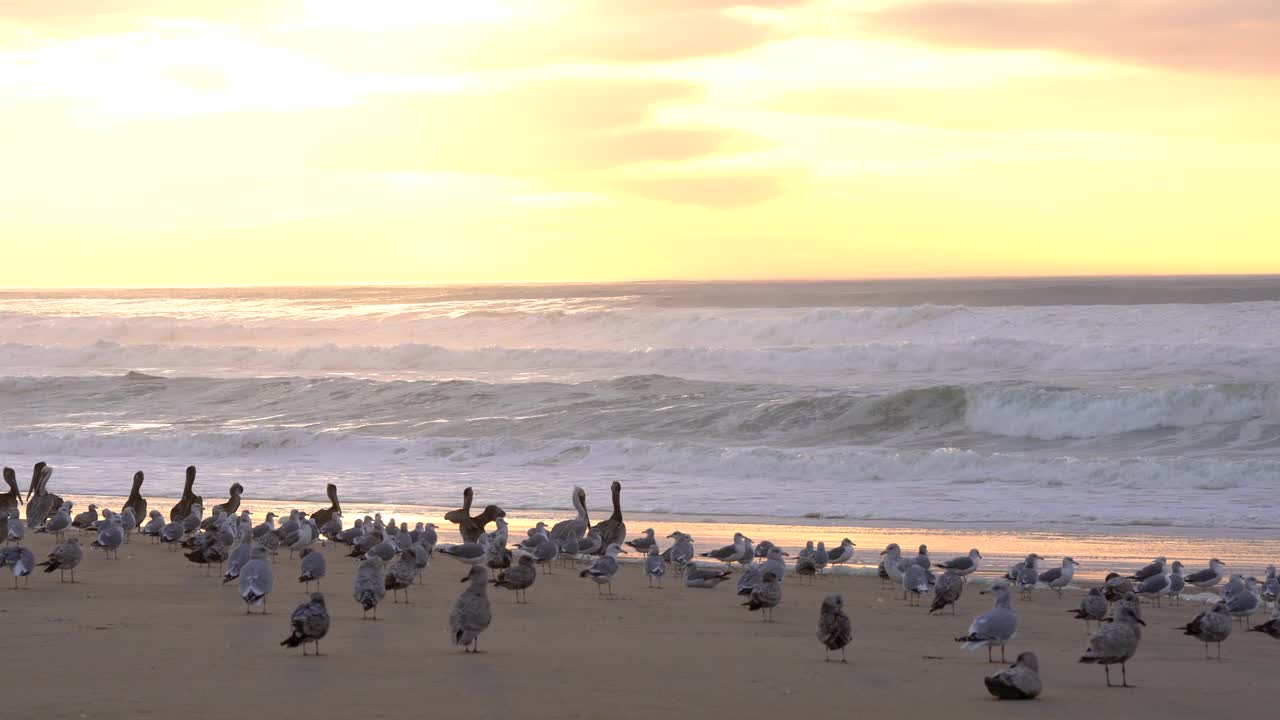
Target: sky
{"type": "Point", "coordinates": [237, 142]}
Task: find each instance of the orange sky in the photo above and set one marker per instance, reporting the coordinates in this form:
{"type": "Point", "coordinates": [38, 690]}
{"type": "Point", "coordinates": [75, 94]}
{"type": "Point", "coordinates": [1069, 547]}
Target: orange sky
{"type": "Point", "coordinates": [155, 142]}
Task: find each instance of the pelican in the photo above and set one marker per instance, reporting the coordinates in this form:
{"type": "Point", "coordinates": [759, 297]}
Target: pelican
{"type": "Point", "coordinates": [46, 503]}
{"type": "Point", "coordinates": [323, 516]}
{"type": "Point", "coordinates": [233, 503]}
{"type": "Point", "coordinates": [613, 531]}
{"type": "Point", "coordinates": [136, 501]}
{"type": "Point", "coordinates": [9, 501]}
{"type": "Point", "coordinates": [189, 497]}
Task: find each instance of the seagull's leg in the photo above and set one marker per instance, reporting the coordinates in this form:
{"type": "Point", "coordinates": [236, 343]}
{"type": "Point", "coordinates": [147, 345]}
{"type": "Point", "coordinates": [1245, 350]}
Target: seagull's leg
{"type": "Point", "coordinates": [989, 658]}
{"type": "Point", "coordinates": [1002, 655]}
{"type": "Point", "coordinates": [827, 654]}
{"type": "Point", "coordinates": [317, 648]}
{"type": "Point", "coordinates": [1124, 676]}
{"type": "Point", "coordinates": [842, 657]}
{"type": "Point", "coordinates": [1107, 669]}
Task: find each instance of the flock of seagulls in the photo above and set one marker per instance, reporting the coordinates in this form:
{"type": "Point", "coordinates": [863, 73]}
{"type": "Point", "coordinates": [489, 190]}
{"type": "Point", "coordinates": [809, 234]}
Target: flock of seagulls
{"type": "Point", "coordinates": [392, 557]}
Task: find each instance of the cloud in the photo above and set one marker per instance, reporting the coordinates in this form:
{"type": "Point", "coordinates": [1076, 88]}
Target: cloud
{"type": "Point", "coordinates": [720, 192]}
{"type": "Point", "coordinates": [1226, 36]}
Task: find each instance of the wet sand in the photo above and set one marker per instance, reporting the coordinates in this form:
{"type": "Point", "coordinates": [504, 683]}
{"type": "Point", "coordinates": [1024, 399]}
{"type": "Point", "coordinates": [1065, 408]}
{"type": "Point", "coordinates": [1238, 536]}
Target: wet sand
{"type": "Point", "coordinates": [150, 635]}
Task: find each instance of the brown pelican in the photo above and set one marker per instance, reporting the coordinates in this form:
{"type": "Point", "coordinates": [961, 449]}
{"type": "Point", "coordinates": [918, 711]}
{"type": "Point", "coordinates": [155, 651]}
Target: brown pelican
{"type": "Point", "coordinates": [231, 505]}
{"type": "Point", "coordinates": [189, 498]}
{"type": "Point", "coordinates": [45, 503]}
{"type": "Point", "coordinates": [136, 501]}
{"type": "Point", "coordinates": [471, 527]}
{"type": "Point", "coordinates": [613, 531]}
{"type": "Point", "coordinates": [323, 516]}
{"type": "Point", "coordinates": [9, 501]}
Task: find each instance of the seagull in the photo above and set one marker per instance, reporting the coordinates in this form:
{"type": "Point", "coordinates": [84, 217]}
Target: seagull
{"type": "Point", "coordinates": [240, 555]}
{"type": "Point", "coordinates": [1153, 586]}
{"type": "Point", "coordinates": [313, 568]}
{"type": "Point", "coordinates": [834, 630]}
{"type": "Point", "coordinates": [654, 566]}
{"type": "Point", "coordinates": [14, 531]}
{"type": "Point", "coordinates": [20, 561]}
{"type": "Point", "coordinates": [765, 597]}
{"type": "Point", "coordinates": [111, 538]}
{"type": "Point", "coordinates": [916, 582]}
{"type": "Point", "coordinates": [1155, 568]}
{"type": "Point", "coordinates": [472, 553]}
{"type": "Point", "coordinates": [1245, 602]}
{"type": "Point", "coordinates": [947, 591]}
{"type": "Point", "coordinates": [309, 623]}
{"type": "Point", "coordinates": [1116, 641]}
{"type": "Point", "coordinates": [843, 553]}
{"type": "Point", "coordinates": [805, 567]}
{"type": "Point", "coordinates": [821, 558]}
{"type": "Point", "coordinates": [518, 578]}
{"type": "Point", "coordinates": [1271, 586]}
{"type": "Point", "coordinates": [965, 565]}
{"type": "Point", "coordinates": [730, 553]}
{"type": "Point", "coordinates": [922, 557]}
{"type": "Point", "coordinates": [256, 580]}
{"type": "Point", "coordinates": [1115, 587]}
{"type": "Point", "coordinates": [1020, 682]}
{"type": "Point", "coordinates": [604, 568]}
{"type": "Point", "coordinates": [1270, 627]}
{"type": "Point", "coordinates": [680, 553]}
{"type": "Point", "coordinates": [1029, 576]}
{"type": "Point", "coordinates": [86, 518]}
{"type": "Point", "coordinates": [1177, 583]}
{"type": "Point", "coordinates": [1213, 625]}
{"type": "Point", "coordinates": [697, 577]}
{"type": "Point", "coordinates": [1205, 579]}
{"type": "Point", "coordinates": [996, 626]}
{"type": "Point", "coordinates": [471, 613]}
{"type": "Point", "coordinates": [1093, 607]}
{"type": "Point", "coordinates": [644, 542]}
{"type": "Point", "coordinates": [370, 585]}
{"type": "Point", "coordinates": [63, 558]}
{"type": "Point", "coordinates": [401, 574]}
{"type": "Point", "coordinates": [59, 523]}
{"type": "Point", "coordinates": [1057, 578]}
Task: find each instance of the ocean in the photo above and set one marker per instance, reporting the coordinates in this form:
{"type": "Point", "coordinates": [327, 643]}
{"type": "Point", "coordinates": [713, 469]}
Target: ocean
{"type": "Point", "coordinates": [1040, 403]}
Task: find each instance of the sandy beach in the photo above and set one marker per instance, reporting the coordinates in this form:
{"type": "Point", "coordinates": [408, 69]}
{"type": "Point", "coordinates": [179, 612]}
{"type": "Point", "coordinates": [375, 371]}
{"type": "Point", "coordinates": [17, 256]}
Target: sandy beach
{"type": "Point", "coordinates": [151, 634]}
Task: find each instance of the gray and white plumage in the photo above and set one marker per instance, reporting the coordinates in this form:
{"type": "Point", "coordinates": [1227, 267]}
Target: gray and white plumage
{"type": "Point", "coordinates": [1213, 625]}
{"type": "Point", "coordinates": [312, 568]}
{"type": "Point", "coordinates": [1243, 603]}
{"type": "Point", "coordinates": [834, 629]}
{"type": "Point", "coordinates": [1029, 576]}
{"type": "Point", "coordinates": [821, 558]}
{"type": "Point", "coordinates": [922, 557]}
{"type": "Point", "coordinates": [765, 596]}
{"type": "Point", "coordinates": [472, 553]}
{"type": "Point", "coordinates": [1059, 577]}
{"type": "Point", "coordinates": [64, 558]}
{"type": "Point", "coordinates": [370, 584]}
{"type": "Point", "coordinates": [20, 562]}
{"type": "Point", "coordinates": [995, 627]}
{"type": "Point", "coordinates": [256, 580]}
{"type": "Point", "coordinates": [729, 553]}
{"type": "Point", "coordinates": [471, 613]}
{"type": "Point", "coordinates": [401, 574]}
{"type": "Point", "coordinates": [915, 582]}
{"type": "Point", "coordinates": [518, 578]}
{"type": "Point", "coordinates": [654, 566]}
{"type": "Point", "coordinates": [1156, 567]}
{"type": "Point", "coordinates": [681, 552]}
{"type": "Point", "coordinates": [947, 591]}
{"type": "Point", "coordinates": [1154, 587]}
{"type": "Point", "coordinates": [239, 556]}
{"type": "Point", "coordinates": [1210, 576]}
{"type": "Point", "coordinates": [965, 564]}
{"type": "Point", "coordinates": [111, 537]}
{"type": "Point", "coordinates": [1116, 642]}
{"type": "Point", "coordinates": [191, 522]}
{"type": "Point", "coordinates": [309, 623]}
{"type": "Point", "coordinates": [603, 570]}
{"type": "Point", "coordinates": [14, 529]}
{"type": "Point", "coordinates": [704, 578]}
{"type": "Point", "coordinates": [1115, 587]}
{"type": "Point", "coordinates": [1020, 682]}
{"type": "Point", "coordinates": [1271, 586]}
{"type": "Point", "coordinates": [1093, 607]}
{"type": "Point", "coordinates": [842, 553]}
{"type": "Point", "coordinates": [155, 524]}
{"type": "Point", "coordinates": [59, 523]}
{"type": "Point", "coordinates": [1177, 583]}
{"type": "Point", "coordinates": [1270, 627]}
{"type": "Point", "coordinates": [644, 542]}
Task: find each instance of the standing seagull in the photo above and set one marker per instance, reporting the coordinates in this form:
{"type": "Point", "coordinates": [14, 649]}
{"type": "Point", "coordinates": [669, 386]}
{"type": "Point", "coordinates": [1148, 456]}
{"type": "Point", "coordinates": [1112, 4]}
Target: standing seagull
{"type": "Point", "coordinates": [1093, 607]}
{"type": "Point", "coordinates": [1155, 568]}
{"type": "Point", "coordinates": [63, 558]}
{"type": "Point", "coordinates": [947, 591]}
{"type": "Point", "coordinates": [1270, 627]}
{"type": "Point", "coordinates": [57, 524]}
{"type": "Point", "coordinates": [654, 566]}
{"type": "Point", "coordinates": [1020, 682]}
{"type": "Point", "coordinates": [765, 597]}
{"type": "Point", "coordinates": [613, 530]}
{"type": "Point", "coordinates": [189, 497]}
{"type": "Point", "coordinates": [681, 551]}
{"type": "Point", "coordinates": [843, 553]}
{"type": "Point", "coordinates": [915, 581]}
{"type": "Point", "coordinates": [323, 516]}
{"type": "Point", "coordinates": [1205, 579]}
{"type": "Point", "coordinates": [604, 568]}
{"type": "Point", "coordinates": [834, 630]}
{"type": "Point", "coordinates": [12, 498]}
{"type": "Point", "coordinates": [13, 529]}
{"type": "Point", "coordinates": [471, 614]}
{"type": "Point", "coordinates": [20, 562]}
{"type": "Point", "coordinates": [1058, 578]}
{"type": "Point", "coordinates": [1154, 586]}
{"type": "Point", "coordinates": [1177, 583]}
{"type": "Point", "coordinates": [111, 537]}
{"type": "Point", "coordinates": [370, 585]}
{"type": "Point", "coordinates": [309, 623]}
{"type": "Point", "coordinates": [1029, 576]}
{"type": "Point", "coordinates": [1210, 626]}
{"type": "Point", "coordinates": [136, 502]}
{"type": "Point", "coordinates": [1117, 641]}
{"type": "Point", "coordinates": [518, 579]}
{"type": "Point", "coordinates": [730, 553]}
{"type": "Point", "coordinates": [996, 626]}
{"type": "Point", "coordinates": [644, 542]}
{"type": "Point", "coordinates": [965, 565]}
{"type": "Point", "coordinates": [256, 580]}
{"type": "Point", "coordinates": [313, 568]}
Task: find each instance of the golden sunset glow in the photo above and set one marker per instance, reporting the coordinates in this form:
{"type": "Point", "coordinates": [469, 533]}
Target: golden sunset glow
{"type": "Point", "coordinates": [152, 142]}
